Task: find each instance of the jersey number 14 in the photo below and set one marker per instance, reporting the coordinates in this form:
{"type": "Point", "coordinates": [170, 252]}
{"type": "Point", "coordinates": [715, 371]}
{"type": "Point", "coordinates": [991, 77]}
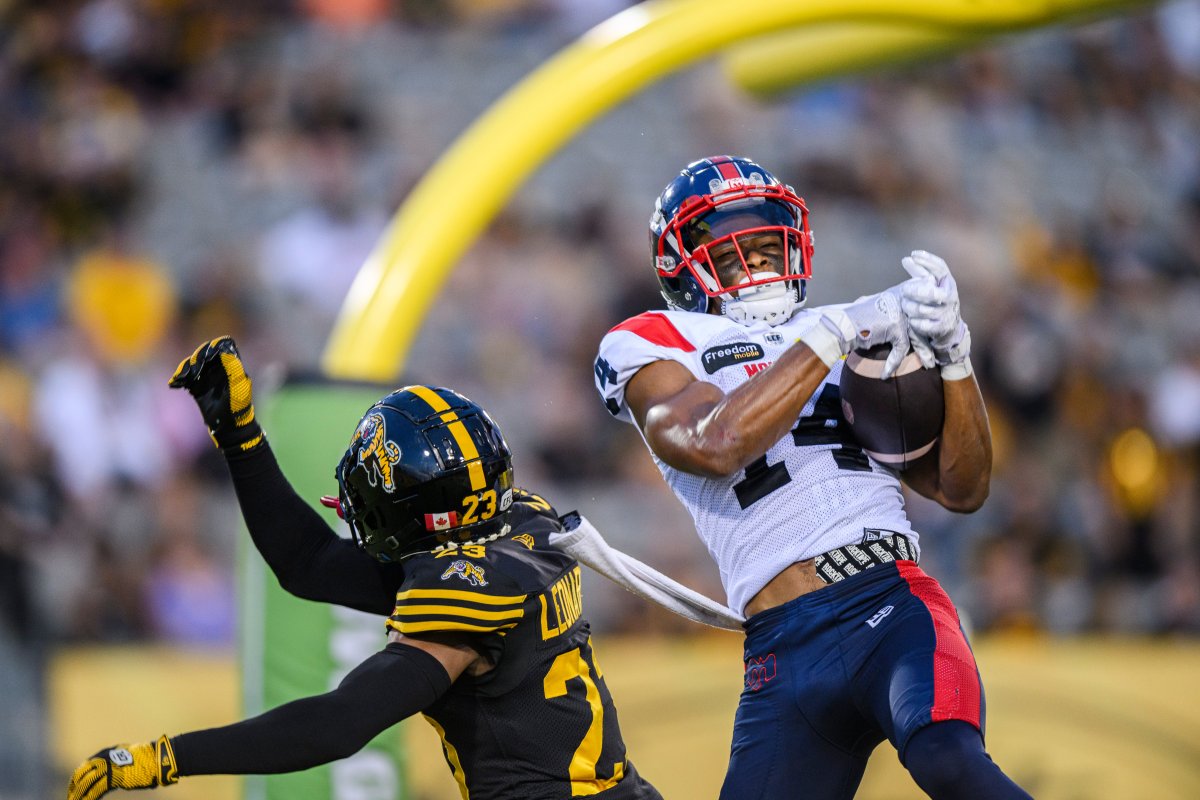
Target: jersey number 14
{"type": "Point", "coordinates": [825, 426]}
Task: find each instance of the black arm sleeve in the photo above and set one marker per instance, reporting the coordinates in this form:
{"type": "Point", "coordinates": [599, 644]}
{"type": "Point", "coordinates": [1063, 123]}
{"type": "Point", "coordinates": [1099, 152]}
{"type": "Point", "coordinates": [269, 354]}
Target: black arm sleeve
{"type": "Point", "coordinates": [395, 683]}
{"type": "Point", "coordinates": [309, 559]}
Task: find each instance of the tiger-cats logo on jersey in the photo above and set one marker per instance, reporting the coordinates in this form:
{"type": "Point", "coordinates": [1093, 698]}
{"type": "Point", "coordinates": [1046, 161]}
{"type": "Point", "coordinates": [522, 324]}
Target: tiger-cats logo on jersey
{"type": "Point", "coordinates": [376, 453]}
{"type": "Point", "coordinates": [525, 539]}
{"type": "Point", "coordinates": [471, 573]}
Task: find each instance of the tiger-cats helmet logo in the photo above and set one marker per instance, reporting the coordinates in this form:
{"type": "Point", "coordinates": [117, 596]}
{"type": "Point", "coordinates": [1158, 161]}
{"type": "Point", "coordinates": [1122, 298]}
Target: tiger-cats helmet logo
{"type": "Point", "coordinates": [376, 453]}
{"type": "Point", "coordinates": [471, 573]}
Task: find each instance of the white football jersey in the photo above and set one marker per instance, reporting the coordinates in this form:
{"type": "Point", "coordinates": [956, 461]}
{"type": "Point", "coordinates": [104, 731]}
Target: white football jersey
{"type": "Point", "coordinates": [814, 490]}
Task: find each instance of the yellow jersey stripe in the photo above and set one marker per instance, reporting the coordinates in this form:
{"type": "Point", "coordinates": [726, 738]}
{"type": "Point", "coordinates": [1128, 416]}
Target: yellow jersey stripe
{"type": "Point", "coordinates": [446, 625]}
{"type": "Point", "coordinates": [458, 594]}
{"type": "Point", "coordinates": [458, 611]}
{"type": "Point", "coordinates": [456, 767]}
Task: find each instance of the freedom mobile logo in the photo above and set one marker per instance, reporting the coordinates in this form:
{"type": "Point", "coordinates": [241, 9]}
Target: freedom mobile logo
{"type": "Point", "coordinates": [727, 355]}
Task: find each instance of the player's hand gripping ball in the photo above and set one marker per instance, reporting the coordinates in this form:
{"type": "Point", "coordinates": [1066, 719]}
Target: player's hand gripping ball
{"type": "Point", "coordinates": [896, 420]}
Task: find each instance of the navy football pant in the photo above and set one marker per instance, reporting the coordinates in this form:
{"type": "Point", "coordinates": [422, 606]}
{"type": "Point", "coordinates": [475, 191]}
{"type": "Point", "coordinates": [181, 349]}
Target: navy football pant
{"type": "Point", "coordinates": [831, 674]}
{"type": "Point", "coordinates": [948, 762]}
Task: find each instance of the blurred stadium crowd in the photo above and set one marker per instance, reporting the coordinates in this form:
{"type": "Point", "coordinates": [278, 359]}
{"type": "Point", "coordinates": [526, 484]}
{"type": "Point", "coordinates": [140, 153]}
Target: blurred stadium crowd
{"type": "Point", "coordinates": [171, 170]}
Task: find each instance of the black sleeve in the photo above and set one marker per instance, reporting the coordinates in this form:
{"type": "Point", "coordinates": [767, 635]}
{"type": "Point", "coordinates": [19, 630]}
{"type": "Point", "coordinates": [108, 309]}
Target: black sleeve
{"type": "Point", "coordinates": [391, 685]}
{"type": "Point", "coordinates": [309, 559]}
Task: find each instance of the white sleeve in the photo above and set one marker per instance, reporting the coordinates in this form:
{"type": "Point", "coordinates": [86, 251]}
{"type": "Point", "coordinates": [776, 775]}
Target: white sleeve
{"type": "Point", "coordinates": [632, 345]}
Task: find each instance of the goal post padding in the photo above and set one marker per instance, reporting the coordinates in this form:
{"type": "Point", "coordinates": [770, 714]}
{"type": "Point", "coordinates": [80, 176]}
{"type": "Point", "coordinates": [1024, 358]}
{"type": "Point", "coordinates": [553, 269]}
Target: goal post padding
{"type": "Point", "coordinates": [291, 648]}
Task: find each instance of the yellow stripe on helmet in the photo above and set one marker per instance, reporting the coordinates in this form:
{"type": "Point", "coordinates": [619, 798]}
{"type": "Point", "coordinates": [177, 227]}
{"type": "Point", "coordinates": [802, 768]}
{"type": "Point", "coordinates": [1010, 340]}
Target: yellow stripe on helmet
{"type": "Point", "coordinates": [459, 431]}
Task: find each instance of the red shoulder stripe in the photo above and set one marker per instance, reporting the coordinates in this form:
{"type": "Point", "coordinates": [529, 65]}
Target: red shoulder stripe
{"type": "Point", "coordinates": [656, 329]}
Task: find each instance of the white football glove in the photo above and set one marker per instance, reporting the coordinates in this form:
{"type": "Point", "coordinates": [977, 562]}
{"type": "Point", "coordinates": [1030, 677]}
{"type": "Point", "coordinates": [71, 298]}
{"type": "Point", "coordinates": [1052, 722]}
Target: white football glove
{"type": "Point", "coordinates": [868, 321]}
{"type": "Point", "coordinates": [930, 301]}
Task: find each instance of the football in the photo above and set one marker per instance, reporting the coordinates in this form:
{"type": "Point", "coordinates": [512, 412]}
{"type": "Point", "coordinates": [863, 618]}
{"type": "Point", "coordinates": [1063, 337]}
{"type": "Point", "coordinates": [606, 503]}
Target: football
{"type": "Point", "coordinates": [898, 420]}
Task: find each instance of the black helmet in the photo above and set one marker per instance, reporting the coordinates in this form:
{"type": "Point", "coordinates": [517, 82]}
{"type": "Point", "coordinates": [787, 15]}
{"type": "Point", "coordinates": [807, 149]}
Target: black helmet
{"type": "Point", "coordinates": [426, 466]}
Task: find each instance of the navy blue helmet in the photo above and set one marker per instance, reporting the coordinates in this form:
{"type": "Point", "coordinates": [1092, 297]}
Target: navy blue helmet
{"type": "Point", "coordinates": [706, 223]}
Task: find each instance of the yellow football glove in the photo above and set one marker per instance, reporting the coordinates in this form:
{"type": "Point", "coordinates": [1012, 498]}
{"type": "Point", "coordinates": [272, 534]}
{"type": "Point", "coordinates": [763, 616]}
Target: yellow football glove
{"type": "Point", "coordinates": [217, 381]}
{"type": "Point", "coordinates": [134, 766]}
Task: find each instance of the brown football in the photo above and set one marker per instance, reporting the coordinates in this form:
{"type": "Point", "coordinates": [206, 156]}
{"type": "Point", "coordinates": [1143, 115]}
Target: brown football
{"type": "Point", "coordinates": [898, 420]}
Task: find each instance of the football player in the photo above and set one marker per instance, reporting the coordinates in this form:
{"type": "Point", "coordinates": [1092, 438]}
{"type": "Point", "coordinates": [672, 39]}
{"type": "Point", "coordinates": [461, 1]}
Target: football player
{"type": "Point", "coordinates": [735, 392]}
{"type": "Point", "coordinates": [485, 629]}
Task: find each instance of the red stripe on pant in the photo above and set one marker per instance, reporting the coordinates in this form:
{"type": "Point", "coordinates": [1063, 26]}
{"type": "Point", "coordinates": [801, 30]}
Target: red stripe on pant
{"type": "Point", "coordinates": [956, 689]}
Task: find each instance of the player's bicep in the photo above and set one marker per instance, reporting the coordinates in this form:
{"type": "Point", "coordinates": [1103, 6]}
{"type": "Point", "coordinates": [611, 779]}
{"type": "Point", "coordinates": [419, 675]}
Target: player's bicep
{"type": "Point", "coordinates": [454, 652]}
{"type": "Point", "coordinates": [671, 407]}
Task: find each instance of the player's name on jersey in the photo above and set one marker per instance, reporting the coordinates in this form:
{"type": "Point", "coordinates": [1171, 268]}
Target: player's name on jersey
{"type": "Point", "coordinates": [562, 604]}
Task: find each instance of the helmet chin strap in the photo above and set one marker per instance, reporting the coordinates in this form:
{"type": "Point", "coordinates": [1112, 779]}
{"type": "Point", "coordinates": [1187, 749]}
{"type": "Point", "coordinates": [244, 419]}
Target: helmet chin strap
{"type": "Point", "coordinates": [772, 303]}
{"type": "Point", "coordinates": [504, 531]}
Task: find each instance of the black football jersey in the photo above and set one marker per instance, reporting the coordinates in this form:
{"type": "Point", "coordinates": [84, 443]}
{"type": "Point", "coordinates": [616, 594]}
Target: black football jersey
{"type": "Point", "coordinates": [541, 725]}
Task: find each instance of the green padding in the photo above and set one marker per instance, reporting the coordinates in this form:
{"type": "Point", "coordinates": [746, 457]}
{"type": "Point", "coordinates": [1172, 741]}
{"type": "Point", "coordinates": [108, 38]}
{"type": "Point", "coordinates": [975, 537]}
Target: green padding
{"type": "Point", "coordinates": [292, 648]}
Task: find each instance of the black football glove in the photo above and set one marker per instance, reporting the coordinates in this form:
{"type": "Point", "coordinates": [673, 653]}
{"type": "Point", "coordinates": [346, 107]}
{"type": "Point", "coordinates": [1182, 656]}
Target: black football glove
{"type": "Point", "coordinates": [217, 380]}
{"type": "Point", "coordinates": [124, 766]}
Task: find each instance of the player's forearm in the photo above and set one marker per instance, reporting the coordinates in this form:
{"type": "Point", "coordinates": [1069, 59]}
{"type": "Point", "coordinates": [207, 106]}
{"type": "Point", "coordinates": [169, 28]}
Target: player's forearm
{"type": "Point", "coordinates": [756, 415]}
{"type": "Point", "coordinates": [965, 448]}
{"type": "Point", "coordinates": [309, 559]}
{"type": "Point", "coordinates": [762, 410]}
{"type": "Point", "coordinates": [386, 688]}
{"type": "Point", "coordinates": [289, 738]}
{"type": "Point", "coordinates": [747, 422]}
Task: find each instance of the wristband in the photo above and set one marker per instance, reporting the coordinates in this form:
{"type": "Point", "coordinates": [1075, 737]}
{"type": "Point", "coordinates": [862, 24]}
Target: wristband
{"type": "Point", "coordinates": [830, 339]}
{"type": "Point", "coordinates": [958, 371]}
